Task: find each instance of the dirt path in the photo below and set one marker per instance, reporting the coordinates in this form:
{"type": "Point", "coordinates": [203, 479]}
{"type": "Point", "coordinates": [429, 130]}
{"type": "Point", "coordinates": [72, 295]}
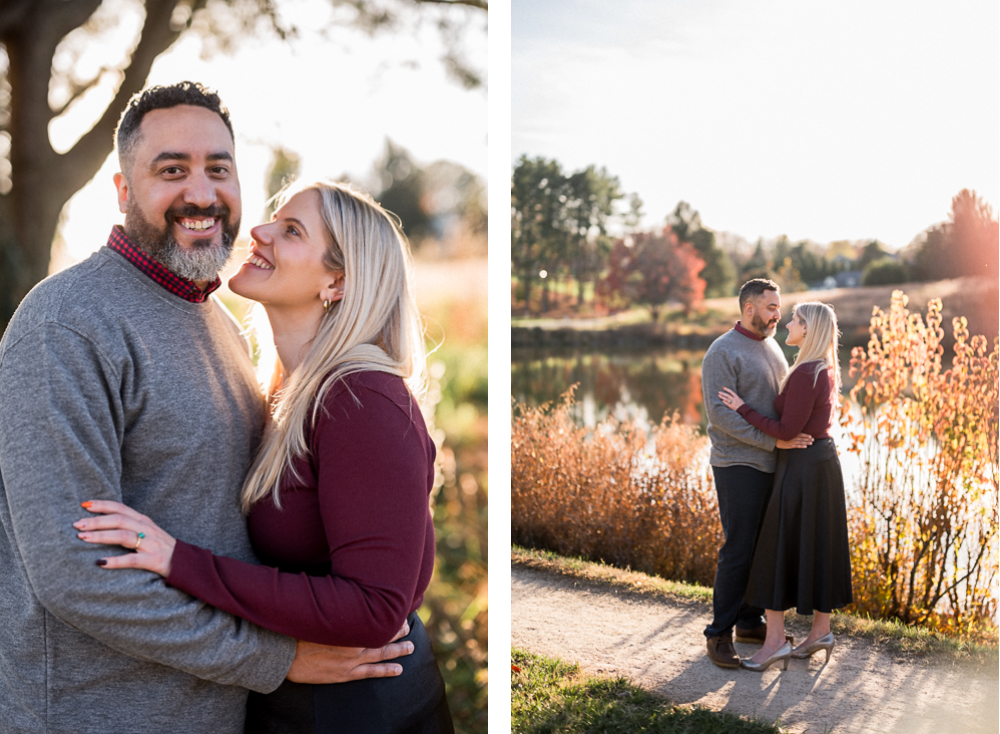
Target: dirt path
{"type": "Point", "coordinates": [659, 645]}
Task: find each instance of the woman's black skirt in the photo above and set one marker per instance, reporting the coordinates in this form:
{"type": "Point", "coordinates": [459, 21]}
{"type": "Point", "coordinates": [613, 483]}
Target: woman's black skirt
{"type": "Point", "coordinates": [802, 558]}
{"type": "Point", "coordinates": [411, 702]}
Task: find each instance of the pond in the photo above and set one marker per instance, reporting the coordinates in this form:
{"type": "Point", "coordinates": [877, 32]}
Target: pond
{"type": "Point", "coordinates": [643, 384]}
{"type": "Point", "coordinates": [635, 383]}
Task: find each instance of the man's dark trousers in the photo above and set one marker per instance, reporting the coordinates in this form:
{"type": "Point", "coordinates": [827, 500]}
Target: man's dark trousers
{"type": "Point", "coordinates": [743, 496]}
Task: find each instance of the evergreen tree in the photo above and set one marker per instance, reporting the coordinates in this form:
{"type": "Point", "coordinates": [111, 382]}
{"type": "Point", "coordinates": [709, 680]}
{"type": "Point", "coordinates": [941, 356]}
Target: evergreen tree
{"type": "Point", "coordinates": [718, 272]}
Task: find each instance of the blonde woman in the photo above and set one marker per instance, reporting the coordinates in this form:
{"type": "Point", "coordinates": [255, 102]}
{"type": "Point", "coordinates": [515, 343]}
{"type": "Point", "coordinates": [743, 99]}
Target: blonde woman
{"type": "Point", "coordinates": [802, 557]}
{"type": "Point", "coordinates": [337, 498]}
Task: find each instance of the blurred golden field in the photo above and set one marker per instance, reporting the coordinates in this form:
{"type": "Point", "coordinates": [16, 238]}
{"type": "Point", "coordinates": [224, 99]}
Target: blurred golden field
{"type": "Point", "coordinates": [452, 297]}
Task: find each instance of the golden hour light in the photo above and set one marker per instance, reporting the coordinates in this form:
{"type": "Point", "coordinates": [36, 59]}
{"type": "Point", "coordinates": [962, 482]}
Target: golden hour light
{"type": "Point", "coordinates": [753, 287]}
{"type": "Point", "coordinates": [239, 238]}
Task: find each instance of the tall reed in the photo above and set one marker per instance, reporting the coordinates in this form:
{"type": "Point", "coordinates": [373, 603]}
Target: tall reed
{"type": "Point", "coordinates": [615, 492]}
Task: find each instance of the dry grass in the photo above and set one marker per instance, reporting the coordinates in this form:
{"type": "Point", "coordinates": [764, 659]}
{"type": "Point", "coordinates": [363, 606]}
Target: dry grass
{"type": "Point", "coordinates": [623, 579]}
{"type": "Point", "coordinates": [614, 493]}
{"type": "Point", "coordinates": [456, 281]}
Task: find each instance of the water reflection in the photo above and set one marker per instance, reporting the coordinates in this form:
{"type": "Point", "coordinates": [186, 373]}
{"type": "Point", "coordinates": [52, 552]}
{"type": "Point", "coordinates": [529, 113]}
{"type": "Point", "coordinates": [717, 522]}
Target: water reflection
{"type": "Point", "coordinates": [643, 384]}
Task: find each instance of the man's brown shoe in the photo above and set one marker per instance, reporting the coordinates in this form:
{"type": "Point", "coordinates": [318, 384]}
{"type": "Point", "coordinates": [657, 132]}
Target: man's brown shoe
{"type": "Point", "coordinates": [722, 652]}
{"type": "Point", "coordinates": [757, 635]}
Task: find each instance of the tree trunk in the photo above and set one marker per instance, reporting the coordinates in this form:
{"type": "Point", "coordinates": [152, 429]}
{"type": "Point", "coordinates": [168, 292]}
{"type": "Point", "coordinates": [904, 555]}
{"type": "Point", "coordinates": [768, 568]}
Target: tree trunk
{"type": "Point", "coordinates": [20, 267]}
{"type": "Point", "coordinates": [42, 181]}
{"type": "Point", "coordinates": [526, 282]}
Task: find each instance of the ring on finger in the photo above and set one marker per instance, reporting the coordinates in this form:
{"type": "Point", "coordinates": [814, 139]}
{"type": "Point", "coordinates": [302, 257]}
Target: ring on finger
{"type": "Point", "coordinates": [138, 539]}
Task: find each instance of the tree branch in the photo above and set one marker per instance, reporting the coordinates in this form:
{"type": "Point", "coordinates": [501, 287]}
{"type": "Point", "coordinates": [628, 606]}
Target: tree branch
{"type": "Point", "coordinates": [62, 16]}
{"type": "Point", "coordinates": [81, 162]}
{"type": "Point", "coordinates": [78, 90]}
{"type": "Point", "coordinates": [481, 4]}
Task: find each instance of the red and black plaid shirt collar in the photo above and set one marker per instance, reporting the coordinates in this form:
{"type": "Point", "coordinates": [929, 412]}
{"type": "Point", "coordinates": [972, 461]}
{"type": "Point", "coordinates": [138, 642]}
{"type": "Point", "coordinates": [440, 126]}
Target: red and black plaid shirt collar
{"type": "Point", "coordinates": [186, 289]}
{"type": "Point", "coordinates": [746, 332]}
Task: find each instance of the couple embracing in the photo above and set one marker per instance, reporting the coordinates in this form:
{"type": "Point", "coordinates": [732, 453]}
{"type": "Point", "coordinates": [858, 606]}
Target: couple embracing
{"type": "Point", "coordinates": [144, 469]}
{"type": "Point", "coordinates": [778, 479]}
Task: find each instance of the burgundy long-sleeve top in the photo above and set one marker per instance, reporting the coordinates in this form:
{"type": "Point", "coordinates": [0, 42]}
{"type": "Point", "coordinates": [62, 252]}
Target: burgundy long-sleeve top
{"type": "Point", "coordinates": [351, 552]}
{"type": "Point", "coordinates": [802, 407]}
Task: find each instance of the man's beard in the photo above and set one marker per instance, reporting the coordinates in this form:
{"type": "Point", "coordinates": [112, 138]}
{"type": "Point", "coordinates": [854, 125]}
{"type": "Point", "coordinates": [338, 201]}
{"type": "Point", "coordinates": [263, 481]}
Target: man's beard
{"type": "Point", "coordinates": [763, 327]}
{"type": "Point", "coordinates": [203, 262]}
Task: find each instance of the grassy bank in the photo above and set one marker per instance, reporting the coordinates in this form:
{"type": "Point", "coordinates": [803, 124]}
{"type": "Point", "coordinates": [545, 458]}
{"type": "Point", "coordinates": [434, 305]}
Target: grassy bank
{"type": "Point", "coordinates": [974, 298]}
{"type": "Point", "coordinates": [895, 637]}
{"type": "Point", "coordinates": [549, 695]}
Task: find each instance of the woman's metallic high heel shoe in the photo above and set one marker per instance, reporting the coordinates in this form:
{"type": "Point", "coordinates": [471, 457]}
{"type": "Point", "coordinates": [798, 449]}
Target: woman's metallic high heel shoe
{"type": "Point", "coordinates": [784, 652]}
{"type": "Point", "coordinates": [823, 643]}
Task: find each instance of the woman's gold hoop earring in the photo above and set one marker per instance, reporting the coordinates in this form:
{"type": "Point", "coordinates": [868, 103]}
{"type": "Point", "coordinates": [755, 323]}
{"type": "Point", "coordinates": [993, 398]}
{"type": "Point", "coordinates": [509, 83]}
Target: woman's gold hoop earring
{"type": "Point", "coordinates": [326, 304]}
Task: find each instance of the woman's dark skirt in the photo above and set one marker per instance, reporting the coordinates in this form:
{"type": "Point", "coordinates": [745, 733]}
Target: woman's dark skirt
{"type": "Point", "coordinates": [411, 702]}
{"type": "Point", "coordinates": [802, 558]}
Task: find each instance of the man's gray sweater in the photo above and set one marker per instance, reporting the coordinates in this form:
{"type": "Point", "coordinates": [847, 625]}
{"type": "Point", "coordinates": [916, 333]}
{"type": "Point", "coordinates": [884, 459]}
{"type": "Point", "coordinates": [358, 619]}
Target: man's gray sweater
{"type": "Point", "coordinates": [112, 388]}
{"type": "Point", "coordinates": [753, 369]}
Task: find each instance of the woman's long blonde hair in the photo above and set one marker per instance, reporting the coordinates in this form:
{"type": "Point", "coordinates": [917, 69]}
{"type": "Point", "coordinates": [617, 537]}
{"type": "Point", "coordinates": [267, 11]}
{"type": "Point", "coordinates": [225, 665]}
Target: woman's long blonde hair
{"type": "Point", "coordinates": [375, 326]}
{"type": "Point", "coordinates": [820, 341]}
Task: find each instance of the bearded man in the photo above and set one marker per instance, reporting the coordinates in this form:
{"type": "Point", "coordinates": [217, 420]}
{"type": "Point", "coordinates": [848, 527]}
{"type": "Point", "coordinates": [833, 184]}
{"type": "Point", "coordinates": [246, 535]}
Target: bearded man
{"type": "Point", "coordinates": [123, 378]}
{"type": "Point", "coordinates": [748, 360]}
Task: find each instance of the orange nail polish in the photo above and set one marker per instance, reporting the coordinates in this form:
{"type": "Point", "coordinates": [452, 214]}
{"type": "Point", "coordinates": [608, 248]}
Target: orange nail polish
{"type": "Point", "coordinates": [86, 505]}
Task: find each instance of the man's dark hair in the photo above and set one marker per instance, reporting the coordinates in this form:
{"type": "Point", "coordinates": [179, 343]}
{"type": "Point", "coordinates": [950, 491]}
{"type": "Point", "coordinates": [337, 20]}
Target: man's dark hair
{"type": "Point", "coordinates": [159, 98]}
{"type": "Point", "coordinates": [754, 288]}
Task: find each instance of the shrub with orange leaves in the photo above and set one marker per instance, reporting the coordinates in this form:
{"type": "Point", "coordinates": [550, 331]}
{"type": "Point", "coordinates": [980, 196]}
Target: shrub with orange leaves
{"type": "Point", "coordinates": [923, 519]}
{"type": "Point", "coordinates": [614, 493]}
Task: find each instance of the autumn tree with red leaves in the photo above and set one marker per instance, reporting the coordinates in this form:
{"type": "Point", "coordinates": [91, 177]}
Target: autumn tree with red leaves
{"type": "Point", "coordinates": [653, 269]}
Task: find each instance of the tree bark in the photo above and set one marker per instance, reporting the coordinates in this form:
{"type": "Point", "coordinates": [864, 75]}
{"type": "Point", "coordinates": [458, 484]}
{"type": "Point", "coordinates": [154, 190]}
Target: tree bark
{"type": "Point", "coordinates": [526, 276]}
{"type": "Point", "coordinates": [42, 179]}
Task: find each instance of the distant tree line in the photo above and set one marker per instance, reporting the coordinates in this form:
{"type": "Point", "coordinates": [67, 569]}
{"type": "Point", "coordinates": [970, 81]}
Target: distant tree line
{"type": "Point", "coordinates": [968, 243]}
{"type": "Point", "coordinates": [559, 235]}
{"type": "Point", "coordinates": [559, 224]}
{"type": "Point", "coordinates": [441, 206]}
{"type": "Point", "coordinates": [560, 243]}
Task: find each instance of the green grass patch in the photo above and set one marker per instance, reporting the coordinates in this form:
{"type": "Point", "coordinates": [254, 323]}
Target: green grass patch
{"type": "Point", "coordinates": [549, 695]}
{"type": "Point", "coordinates": [703, 321]}
{"type": "Point", "coordinates": [618, 578]}
{"type": "Point", "coordinates": [892, 636]}
{"type": "Point", "coordinates": [590, 323]}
